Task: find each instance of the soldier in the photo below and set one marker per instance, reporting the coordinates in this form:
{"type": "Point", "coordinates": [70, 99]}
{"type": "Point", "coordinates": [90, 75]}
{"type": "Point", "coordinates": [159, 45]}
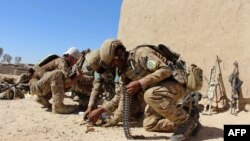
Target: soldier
{"type": "Point", "coordinates": [145, 70]}
{"type": "Point", "coordinates": [25, 77]}
{"type": "Point", "coordinates": [7, 93]}
{"type": "Point", "coordinates": [92, 63]}
{"type": "Point", "coordinates": [51, 79]}
{"type": "Point", "coordinates": [23, 82]}
{"type": "Point", "coordinates": [82, 89]}
{"type": "Point", "coordinates": [115, 104]}
{"type": "Point", "coordinates": [21, 88]}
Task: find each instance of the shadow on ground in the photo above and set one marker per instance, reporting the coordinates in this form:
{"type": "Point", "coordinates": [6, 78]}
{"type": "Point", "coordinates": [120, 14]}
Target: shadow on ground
{"type": "Point", "coordinates": [207, 133]}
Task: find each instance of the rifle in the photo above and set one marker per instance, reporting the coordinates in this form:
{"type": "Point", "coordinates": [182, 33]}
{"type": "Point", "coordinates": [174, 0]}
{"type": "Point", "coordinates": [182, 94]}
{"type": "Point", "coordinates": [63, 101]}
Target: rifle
{"type": "Point", "coordinates": [222, 90]}
{"type": "Point", "coordinates": [236, 88]}
{"type": "Point", "coordinates": [211, 92]}
{"type": "Point", "coordinates": [4, 87]}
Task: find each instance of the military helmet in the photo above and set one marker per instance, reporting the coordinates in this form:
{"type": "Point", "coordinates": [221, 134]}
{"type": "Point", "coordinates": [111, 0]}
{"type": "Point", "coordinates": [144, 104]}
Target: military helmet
{"type": "Point", "coordinates": [107, 51]}
{"type": "Point", "coordinates": [93, 59]}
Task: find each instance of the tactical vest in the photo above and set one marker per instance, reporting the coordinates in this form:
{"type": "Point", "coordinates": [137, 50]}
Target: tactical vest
{"type": "Point", "coordinates": [177, 66]}
{"type": "Point", "coordinates": [135, 71]}
{"type": "Point", "coordinates": [190, 76]}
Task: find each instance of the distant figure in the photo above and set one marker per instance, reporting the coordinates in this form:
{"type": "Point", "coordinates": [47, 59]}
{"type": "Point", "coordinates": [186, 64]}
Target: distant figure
{"type": "Point", "coordinates": [52, 78]}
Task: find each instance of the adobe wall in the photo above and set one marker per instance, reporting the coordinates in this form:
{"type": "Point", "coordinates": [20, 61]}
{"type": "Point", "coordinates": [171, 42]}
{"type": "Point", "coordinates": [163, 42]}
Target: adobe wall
{"type": "Point", "coordinates": [198, 30]}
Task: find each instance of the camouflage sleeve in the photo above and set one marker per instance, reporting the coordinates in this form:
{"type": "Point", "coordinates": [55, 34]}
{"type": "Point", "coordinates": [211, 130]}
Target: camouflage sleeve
{"type": "Point", "coordinates": [124, 80]}
{"type": "Point", "coordinates": [23, 78]}
{"type": "Point", "coordinates": [153, 63]}
{"type": "Point", "coordinates": [119, 112]}
{"type": "Point", "coordinates": [95, 92]}
{"type": "Point", "coordinates": [116, 101]}
{"type": "Point", "coordinates": [111, 105]}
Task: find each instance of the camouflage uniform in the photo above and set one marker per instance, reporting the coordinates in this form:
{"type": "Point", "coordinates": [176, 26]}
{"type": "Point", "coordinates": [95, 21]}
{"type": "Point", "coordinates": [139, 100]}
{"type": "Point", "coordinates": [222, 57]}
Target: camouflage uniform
{"type": "Point", "coordinates": [48, 81]}
{"type": "Point", "coordinates": [24, 78]}
{"type": "Point", "coordinates": [103, 85]}
{"type": "Point", "coordinates": [22, 88]}
{"type": "Point", "coordinates": [161, 92]}
{"type": "Point", "coordinates": [98, 88]}
{"type": "Point", "coordinates": [82, 89]}
{"type": "Point", "coordinates": [91, 65]}
{"type": "Point", "coordinates": [116, 105]}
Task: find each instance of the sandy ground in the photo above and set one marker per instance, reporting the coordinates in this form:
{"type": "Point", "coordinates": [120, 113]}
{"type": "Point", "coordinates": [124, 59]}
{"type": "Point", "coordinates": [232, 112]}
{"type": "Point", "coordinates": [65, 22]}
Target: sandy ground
{"type": "Point", "coordinates": [24, 119]}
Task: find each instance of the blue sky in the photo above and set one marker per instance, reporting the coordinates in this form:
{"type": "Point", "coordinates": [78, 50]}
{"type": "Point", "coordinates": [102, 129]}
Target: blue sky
{"type": "Point", "coordinates": [34, 28]}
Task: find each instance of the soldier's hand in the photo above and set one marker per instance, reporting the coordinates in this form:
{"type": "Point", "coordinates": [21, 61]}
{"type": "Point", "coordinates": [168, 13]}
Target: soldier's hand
{"type": "Point", "coordinates": [110, 123]}
{"type": "Point", "coordinates": [134, 87]}
{"type": "Point", "coordinates": [86, 113]}
{"type": "Point", "coordinates": [79, 75]}
{"type": "Point", "coordinates": [95, 114]}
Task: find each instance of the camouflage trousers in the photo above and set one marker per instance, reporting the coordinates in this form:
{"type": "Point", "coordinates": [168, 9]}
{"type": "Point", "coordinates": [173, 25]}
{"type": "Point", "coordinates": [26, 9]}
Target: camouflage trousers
{"type": "Point", "coordinates": [51, 83]}
{"type": "Point", "coordinates": [161, 112]}
{"type": "Point", "coordinates": [115, 105]}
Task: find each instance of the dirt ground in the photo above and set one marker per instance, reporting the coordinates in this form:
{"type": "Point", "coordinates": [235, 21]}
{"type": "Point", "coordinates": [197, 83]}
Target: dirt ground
{"type": "Point", "coordinates": [24, 119]}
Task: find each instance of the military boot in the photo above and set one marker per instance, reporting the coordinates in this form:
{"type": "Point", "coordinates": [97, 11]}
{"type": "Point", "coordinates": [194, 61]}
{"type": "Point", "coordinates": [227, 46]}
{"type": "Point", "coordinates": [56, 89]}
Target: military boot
{"type": "Point", "coordinates": [44, 102]}
{"type": "Point", "coordinates": [194, 98]}
{"type": "Point", "coordinates": [58, 107]}
{"type": "Point", "coordinates": [195, 114]}
{"type": "Point", "coordinates": [184, 130]}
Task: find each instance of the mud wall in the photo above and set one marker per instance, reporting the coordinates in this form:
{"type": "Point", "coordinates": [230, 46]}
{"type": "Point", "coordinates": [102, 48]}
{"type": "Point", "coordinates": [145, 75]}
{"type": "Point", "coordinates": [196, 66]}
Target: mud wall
{"type": "Point", "coordinates": [198, 29]}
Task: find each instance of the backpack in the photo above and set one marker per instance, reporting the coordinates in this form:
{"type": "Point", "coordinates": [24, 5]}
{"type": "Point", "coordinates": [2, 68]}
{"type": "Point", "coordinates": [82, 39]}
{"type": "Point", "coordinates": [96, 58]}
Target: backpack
{"type": "Point", "coordinates": [47, 59]}
{"type": "Point", "coordinates": [44, 61]}
{"type": "Point", "coordinates": [194, 78]}
{"type": "Point", "coordinates": [190, 76]}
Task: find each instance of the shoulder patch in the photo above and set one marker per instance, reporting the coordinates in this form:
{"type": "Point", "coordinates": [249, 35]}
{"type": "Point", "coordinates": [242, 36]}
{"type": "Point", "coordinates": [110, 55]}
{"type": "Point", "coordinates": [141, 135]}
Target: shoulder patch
{"type": "Point", "coordinates": [151, 64]}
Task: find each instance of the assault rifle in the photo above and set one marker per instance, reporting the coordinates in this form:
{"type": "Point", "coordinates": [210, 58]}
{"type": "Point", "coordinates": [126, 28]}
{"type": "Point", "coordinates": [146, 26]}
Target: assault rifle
{"type": "Point", "coordinates": [4, 87]}
{"type": "Point", "coordinates": [223, 96]}
{"type": "Point", "coordinates": [211, 92]}
{"type": "Point", "coordinates": [236, 88]}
